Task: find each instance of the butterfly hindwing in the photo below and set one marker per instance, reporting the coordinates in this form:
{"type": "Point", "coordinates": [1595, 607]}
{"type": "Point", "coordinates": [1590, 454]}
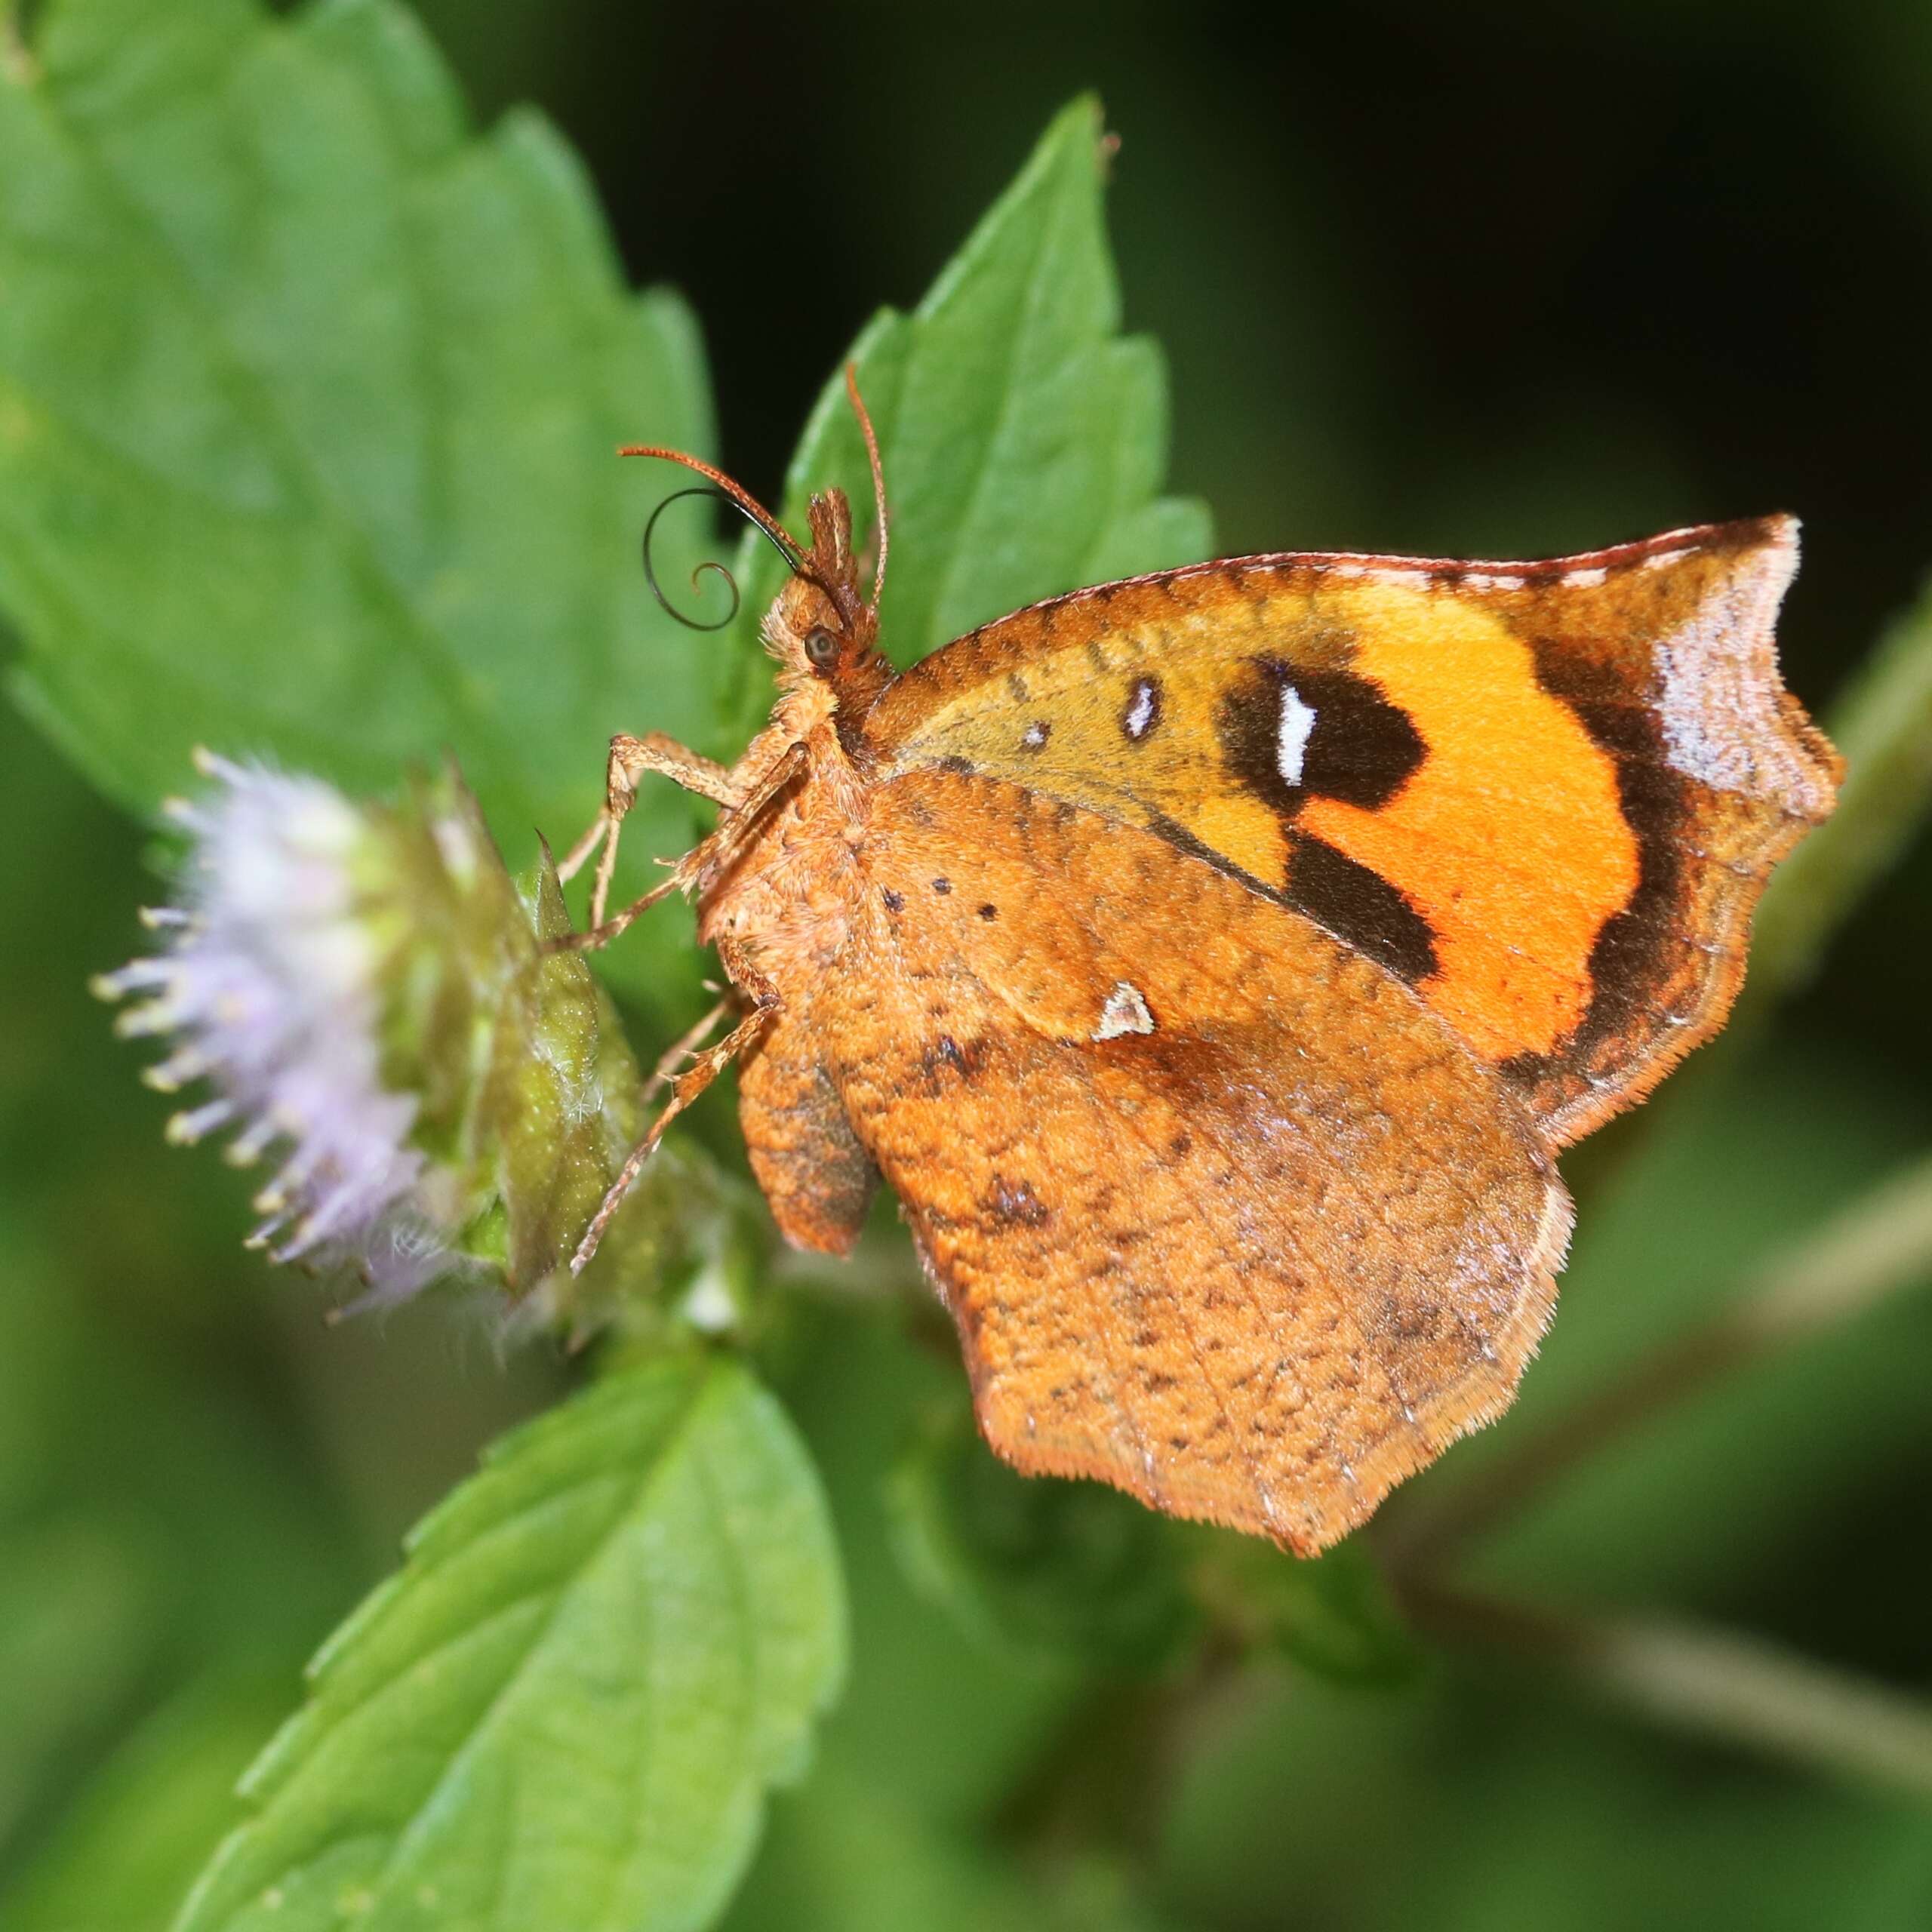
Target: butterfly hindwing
{"type": "Point", "coordinates": [1243, 1229]}
{"type": "Point", "coordinates": [1546, 796]}
{"type": "Point", "coordinates": [816, 1176]}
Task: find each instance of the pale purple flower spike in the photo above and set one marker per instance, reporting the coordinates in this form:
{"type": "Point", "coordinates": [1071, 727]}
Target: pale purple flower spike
{"type": "Point", "coordinates": [266, 990]}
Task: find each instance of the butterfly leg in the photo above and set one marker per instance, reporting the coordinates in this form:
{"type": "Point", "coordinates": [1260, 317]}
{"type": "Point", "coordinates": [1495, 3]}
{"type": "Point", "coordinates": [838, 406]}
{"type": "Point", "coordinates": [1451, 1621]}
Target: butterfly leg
{"type": "Point", "coordinates": [704, 1068]}
{"type": "Point", "coordinates": [685, 1047]}
{"type": "Point", "coordinates": [630, 758]}
{"type": "Point", "coordinates": [709, 856]}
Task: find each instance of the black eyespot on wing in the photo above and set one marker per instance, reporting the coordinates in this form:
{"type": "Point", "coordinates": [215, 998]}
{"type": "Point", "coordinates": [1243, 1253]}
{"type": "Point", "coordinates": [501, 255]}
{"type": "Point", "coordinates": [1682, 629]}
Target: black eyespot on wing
{"type": "Point", "coordinates": [989, 912]}
{"type": "Point", "coordinates": [1372, 748]}
{"type": "Point", "coordinates": [942, 886]}
{"type": "Point", "coordinates": [1357, 746]}
{"type": "Point", "coordinates": [1361, 906]}
{"type": "Point", "coordinates": [895, 902]}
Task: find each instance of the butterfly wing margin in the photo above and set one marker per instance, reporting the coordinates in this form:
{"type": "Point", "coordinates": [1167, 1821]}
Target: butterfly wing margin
{"type": "Point", "coordinates": [1223, 1215]}
{"type": "Point", "coordinates": [1547, 795]}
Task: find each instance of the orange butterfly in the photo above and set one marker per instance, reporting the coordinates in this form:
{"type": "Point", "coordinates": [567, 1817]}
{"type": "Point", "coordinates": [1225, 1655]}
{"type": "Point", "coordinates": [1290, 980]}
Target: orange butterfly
{"type": "Point", "coordinates": [1213, 963]}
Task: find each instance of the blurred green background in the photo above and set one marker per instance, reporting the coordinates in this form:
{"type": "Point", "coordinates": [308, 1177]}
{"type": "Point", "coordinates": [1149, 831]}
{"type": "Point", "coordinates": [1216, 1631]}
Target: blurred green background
{"type": "Point", "coordinates": [1497, 280]}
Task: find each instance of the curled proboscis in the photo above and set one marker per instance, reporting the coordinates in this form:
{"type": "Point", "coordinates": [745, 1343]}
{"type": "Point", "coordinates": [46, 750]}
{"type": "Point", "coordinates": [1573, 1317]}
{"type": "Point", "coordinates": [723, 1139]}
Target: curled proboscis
{"type": "Point", "coordinates": [650, 568]}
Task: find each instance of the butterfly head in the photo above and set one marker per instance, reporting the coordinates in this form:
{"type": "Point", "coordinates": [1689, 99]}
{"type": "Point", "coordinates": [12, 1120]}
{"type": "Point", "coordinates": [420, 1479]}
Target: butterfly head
{"type": "Point", "coordinates": [821, 628]}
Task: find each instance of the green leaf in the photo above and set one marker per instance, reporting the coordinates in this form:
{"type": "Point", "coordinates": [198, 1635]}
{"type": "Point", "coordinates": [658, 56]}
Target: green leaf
{"type": "Point", "coordinates": [1023, 440]}
{"type": "Point", "coordinates": [309, 400]}
{"type": "Point", "coordinates": [1067, 1571]}
{"type": "Point", "coordinates": [563, 1714]}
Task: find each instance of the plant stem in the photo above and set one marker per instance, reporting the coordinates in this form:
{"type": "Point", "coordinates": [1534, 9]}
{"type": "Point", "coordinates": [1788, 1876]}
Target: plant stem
{"type": "Point", "coordinates": [1881, 1245]}
{"type": "Point", "coordinates": [1883, 725]}
{"type": "Point", "coordinates": [1711, 1683]}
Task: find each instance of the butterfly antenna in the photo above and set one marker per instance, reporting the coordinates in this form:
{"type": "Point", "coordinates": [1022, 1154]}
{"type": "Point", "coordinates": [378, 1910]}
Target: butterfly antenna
{"type": "Point", "coordinates": [788, 546]}
{"type": "Point", "coordinates": [867, 430]}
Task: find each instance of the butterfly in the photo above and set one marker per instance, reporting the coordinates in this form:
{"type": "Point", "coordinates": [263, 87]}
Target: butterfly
{"type": "Point", "coordinates": [1214, 964]}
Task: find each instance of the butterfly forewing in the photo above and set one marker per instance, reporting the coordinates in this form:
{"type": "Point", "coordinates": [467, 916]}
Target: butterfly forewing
{"type": "Point", "coordinates": [1544, 795]}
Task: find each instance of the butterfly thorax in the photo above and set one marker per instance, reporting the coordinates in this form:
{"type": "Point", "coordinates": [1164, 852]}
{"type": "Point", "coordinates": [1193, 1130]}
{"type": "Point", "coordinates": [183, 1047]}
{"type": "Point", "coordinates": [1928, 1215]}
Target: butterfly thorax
{"type": "Point", "coordinates": [783, 898]}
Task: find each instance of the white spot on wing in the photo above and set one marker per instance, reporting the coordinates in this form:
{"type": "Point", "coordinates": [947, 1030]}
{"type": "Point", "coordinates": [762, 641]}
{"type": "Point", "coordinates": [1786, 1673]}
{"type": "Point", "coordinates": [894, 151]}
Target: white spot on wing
{"type": "Point", "coordinates": [1125, 1012]}
{"type": "Point", "coordinates": [1035, 735]}
{"type": "Point", "coordinates": [1141, 712]}
{"type": "Point", "coordinates": [1584, 580]}
{"type": "Point", "coordinates": [1291, 738]}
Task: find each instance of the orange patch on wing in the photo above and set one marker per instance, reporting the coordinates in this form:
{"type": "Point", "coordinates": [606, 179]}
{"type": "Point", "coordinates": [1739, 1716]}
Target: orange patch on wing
{"type": "Point", "coordinates": [1457, 840]}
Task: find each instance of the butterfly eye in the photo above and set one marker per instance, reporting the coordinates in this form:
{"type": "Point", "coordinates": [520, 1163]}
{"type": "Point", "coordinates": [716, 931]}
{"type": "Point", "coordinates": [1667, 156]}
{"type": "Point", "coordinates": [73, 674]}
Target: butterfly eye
{"type": "Point", "coordinates": [821, 648]}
